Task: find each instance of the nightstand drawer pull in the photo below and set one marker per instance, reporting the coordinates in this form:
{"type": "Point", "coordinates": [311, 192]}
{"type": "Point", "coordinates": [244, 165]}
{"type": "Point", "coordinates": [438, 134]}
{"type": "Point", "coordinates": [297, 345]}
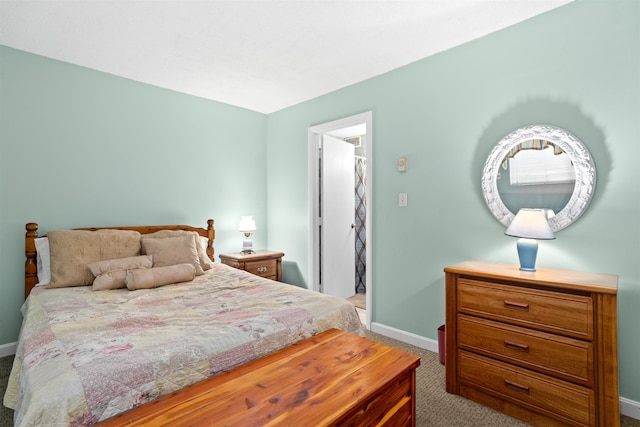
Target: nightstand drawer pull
{"type": "Point", "coordinates": [262, 269]}
{"type": "Point", "coordinates": [516, 346]}
{"type": "Point", "coordinates": [517, 387]}
{"type": "Point", "coordinates": [518, 305]}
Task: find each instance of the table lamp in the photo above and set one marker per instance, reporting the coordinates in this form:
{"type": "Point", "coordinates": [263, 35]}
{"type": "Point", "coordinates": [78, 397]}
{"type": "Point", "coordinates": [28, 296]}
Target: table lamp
{"type": "Point", "coordinates": [247, 227]}
{"type": "Point", "coordinates": [530, 225]}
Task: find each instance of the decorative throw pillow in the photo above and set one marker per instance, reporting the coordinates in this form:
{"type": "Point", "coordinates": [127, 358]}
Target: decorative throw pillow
{"type": "Point", "coordinates": [71, 252]}
{"type": "Point", "coordinates": [172, 251]}
{"type": "Point", "coordinates": [110, 274]}
{"type": "Point", "coordinates": [201, 243]}
{"type": "Point", "coordinates": [147, 278]}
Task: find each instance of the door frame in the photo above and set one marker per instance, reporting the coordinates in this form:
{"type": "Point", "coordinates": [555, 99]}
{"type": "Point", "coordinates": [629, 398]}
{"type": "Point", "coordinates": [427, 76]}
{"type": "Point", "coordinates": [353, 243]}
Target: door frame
{"type": "Point", "coordinates": [313, 135]}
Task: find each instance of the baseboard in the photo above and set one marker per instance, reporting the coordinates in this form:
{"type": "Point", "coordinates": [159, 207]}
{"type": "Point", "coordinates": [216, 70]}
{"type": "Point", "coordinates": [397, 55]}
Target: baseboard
{"type": "Point", "coordinates": [628, 407]}
{"type": "Point", "coordinates": [404, 336]}
{"type": "Point", "coordinates": [8, 349]}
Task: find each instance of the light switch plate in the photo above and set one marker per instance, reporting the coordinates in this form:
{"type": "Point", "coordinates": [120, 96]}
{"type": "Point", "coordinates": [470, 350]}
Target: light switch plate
{"type": "Point", "coordinates": [402, 200]}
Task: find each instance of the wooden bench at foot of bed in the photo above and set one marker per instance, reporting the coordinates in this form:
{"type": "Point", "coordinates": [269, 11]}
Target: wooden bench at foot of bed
{"type": "Point", "coordinates": [335, 378]}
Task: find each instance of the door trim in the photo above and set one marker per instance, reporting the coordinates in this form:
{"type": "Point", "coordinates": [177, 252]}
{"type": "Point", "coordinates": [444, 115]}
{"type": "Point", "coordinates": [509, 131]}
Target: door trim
{"type": "Point", "coordinates": [313, 135]}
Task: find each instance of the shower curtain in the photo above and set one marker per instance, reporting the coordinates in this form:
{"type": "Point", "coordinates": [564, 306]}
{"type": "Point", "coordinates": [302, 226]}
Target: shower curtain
{"type": "Point", "coordinates": [360, 222]}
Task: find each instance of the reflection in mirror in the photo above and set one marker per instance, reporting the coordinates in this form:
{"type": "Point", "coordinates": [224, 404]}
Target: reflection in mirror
{"type": "Point", "coordinates": [539, 167]}
{"type": "Point", "coordinates": [536, 174]}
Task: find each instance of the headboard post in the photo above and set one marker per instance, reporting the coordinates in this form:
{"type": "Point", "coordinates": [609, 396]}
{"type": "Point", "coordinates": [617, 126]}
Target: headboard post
{"type": "Point", "coordinates": [31, 264]}
{"type": "Point", "coordinates": [211, 235]}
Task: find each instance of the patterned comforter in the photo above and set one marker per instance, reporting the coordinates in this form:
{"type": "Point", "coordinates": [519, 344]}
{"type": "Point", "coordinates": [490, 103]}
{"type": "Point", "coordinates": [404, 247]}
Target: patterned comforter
{"type": "Point", "coordinates": [84, 356]}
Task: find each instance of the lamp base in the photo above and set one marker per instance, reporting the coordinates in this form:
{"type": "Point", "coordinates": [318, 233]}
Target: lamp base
{"type": "Point", "coordinates": [247, 244]}
{"type": "Point", "coordinates": [527, 253]}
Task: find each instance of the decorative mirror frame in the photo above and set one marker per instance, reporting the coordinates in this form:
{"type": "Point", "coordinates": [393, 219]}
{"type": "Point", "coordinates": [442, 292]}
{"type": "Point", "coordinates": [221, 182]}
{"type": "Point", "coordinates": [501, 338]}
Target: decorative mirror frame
{"type": "Point", "coordinates": [580, 158]}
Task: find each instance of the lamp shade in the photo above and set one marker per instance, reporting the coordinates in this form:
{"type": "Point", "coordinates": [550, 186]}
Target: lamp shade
{"type": "Point", "coordinates": [247, 224]}
{"type": "Point", "coordinates": [530, 224]}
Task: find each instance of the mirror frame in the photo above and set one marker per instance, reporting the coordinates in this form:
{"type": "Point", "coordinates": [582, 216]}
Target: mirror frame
{"type": "Point", "coordinates": [580, 157]}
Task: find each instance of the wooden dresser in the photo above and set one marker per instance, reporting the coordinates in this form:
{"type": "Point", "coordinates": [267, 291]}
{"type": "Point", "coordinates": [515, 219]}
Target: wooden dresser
{"type": "Point", "coordinates": [261, 263]}
{"type": "Point", "coordinates": [333, 379]}
{"type": "Point", "coordinates": [539, 346]}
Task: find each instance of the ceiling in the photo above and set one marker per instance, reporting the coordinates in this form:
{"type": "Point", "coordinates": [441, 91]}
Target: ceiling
{"type": "Point", "coordinates": [263, 55]}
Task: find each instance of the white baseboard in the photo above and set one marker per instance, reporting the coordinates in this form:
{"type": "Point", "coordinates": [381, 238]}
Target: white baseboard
{"type": "Point", "coordinates": [408, 337]}
{"type": "Point", "coordinates": [628, 407]}
{"type": "Point", "coordinates": [8, 349]}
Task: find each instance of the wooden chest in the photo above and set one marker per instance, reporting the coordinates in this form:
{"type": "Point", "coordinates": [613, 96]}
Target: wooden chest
{"type": "Point", "coordinates": [333, 379]}
{"type": "Point", "coordinates": [540, 346]}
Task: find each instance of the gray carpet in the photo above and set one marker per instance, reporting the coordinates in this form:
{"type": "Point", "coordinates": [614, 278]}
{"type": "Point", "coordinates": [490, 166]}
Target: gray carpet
{"type": "Point", "coordinates": [434, 406]}
{"type": "Point", "coordinates": [6, 414]}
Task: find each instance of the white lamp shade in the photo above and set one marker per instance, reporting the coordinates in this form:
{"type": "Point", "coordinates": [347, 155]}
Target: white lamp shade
{"type": "Point", "coordinates": [530, 224]}
{"type": "Point", "coordinates": [247, 224]}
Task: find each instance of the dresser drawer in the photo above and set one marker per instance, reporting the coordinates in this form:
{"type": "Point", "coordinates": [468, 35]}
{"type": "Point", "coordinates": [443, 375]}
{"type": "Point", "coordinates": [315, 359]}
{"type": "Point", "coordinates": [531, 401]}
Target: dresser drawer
{"type": "Point", "coordinates": [263, 268]}
{"type": "Point", "coordinates": [563, 357]}
{"type": "Point", "coordinates": [556, 312]}
{"type": "Point", "coordinates": [559, 399]}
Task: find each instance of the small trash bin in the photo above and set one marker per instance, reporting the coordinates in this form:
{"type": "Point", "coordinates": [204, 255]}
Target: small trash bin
{"type": "Point", "coordinates": [441, 344]}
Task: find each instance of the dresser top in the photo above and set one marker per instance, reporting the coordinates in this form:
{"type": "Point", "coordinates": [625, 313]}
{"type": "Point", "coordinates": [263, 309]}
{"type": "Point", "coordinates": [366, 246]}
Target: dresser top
{"type": "Point", "coordinates": [566, 279]}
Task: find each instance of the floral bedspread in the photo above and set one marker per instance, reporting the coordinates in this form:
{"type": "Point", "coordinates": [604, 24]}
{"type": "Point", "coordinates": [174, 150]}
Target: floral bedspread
{"type": "Point", "coordinates": [84, 356]}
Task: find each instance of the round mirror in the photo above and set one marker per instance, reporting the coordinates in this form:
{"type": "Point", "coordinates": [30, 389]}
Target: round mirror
{"type": "Point", "coordinates": [539, 167]}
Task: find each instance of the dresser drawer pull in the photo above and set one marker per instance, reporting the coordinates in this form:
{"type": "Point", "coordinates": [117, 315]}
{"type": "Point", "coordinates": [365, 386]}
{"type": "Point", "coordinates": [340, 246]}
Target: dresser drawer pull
{"type": "Point", "coordinates": [516, 346]}
{"type": "Point", "coordinates": [518, 305]}
{"type": "Point", "coordinates": [262, 269]}
{"type": "Point", "coordinates": [517, 387]}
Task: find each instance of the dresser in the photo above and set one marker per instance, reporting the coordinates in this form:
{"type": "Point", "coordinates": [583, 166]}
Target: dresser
{"type": "Point", "coordinates": [261, 263]}
{"type": "Point", "coordinates": [333, 379]}
{"type": "Point", "coordinates": [539, 346]}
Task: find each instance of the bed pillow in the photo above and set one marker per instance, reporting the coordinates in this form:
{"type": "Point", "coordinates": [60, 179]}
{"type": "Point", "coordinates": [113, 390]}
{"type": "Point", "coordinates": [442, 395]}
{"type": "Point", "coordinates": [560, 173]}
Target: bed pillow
{"type": "Point", "coordinates": [204, 241]}
{"type": "Point", "coordinates": [42, 260]}
{"type": "Point", "coordinates": [71, 252]}
{"type": "Point", "coordinates": [147, 278]}
{"type": "Point", "coordinates": [110, 274]}
{"type": "Point", "coordinates": [172, 251]}
{"type": "Point", "coordinates": [201, 243]}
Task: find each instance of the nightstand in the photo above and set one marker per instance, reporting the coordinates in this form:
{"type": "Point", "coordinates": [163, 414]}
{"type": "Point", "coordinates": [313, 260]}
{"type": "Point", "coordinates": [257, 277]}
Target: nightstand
{"type": "Point", "coordinates": [266, 264]}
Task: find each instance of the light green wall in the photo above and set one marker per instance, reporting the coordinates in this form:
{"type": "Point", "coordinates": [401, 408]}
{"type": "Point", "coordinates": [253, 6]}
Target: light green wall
{"type": "Point", "coordinates": [577, 67]}
{"type": "Point", "coordinates": [83, 148]}
{"type": "Point", "coordinates": [78, 147]}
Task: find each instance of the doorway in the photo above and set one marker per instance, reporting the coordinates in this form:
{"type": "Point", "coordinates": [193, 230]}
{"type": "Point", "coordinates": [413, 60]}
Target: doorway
{"type": "Point", "coordinates": [361, 127]}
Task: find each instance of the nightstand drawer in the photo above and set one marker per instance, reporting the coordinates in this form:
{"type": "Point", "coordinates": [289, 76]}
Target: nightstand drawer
{"type": "Point", "coordinates": [566, 401]}
{"type": "Point", "coordinates": [563, 357]}
{"type": "Point", "coordinates": [563, 313]}
{"type": "Point", "coordinates": [264, 268]}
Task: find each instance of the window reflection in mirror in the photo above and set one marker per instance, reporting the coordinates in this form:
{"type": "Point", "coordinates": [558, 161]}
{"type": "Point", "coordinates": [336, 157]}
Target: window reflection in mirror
{"type": "Point", "coordinates": [536, 174]}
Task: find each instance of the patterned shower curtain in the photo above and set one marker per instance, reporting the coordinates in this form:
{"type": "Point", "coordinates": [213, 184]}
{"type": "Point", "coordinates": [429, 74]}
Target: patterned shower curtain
{"type": "Point", "coordinates": [361, 234]}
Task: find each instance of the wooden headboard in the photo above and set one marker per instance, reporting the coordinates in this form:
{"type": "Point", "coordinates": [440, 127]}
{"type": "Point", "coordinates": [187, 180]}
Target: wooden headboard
{"type": "Point", "coordinates": [31, 265]}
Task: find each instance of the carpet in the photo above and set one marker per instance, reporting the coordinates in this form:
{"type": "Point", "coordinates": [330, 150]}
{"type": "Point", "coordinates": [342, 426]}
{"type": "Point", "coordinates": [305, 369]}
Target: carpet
{"type": "Point", "coordinates": [359, 300]}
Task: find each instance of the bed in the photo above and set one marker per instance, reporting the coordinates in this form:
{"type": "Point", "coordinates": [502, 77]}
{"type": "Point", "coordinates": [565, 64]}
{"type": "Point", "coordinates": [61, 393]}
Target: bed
{"type": "Point", "coordinates": [89, 351]}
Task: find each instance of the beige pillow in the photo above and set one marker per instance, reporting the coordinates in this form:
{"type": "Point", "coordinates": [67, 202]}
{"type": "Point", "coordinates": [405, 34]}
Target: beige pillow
{"type": "Point", "coordinates": [205, 261]}
{"type": "Point", "coordinates": [110, 274]}
{"type": "Point", "coordinates": [71, 252]}
{"type": "Point", "coordinates": [147, 278]}
{"type": "Point", "coordinates": [172, 251]}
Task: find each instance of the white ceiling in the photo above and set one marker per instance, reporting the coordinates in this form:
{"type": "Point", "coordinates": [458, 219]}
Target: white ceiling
{"type": "Point", "coordinates": [263, 55]}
